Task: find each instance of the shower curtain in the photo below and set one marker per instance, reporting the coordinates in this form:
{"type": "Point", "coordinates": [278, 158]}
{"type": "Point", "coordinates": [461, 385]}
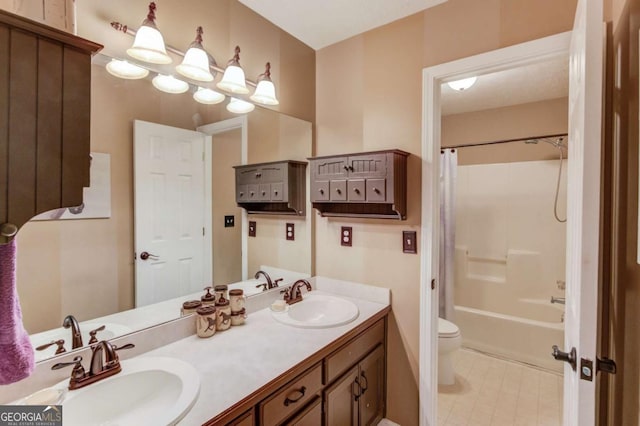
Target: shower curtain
{"type": "Point", "coordinates": [448, 172]}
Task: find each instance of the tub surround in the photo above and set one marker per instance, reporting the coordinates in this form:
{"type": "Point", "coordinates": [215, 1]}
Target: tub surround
{"type": "Point", "coordinates": [237, 366]}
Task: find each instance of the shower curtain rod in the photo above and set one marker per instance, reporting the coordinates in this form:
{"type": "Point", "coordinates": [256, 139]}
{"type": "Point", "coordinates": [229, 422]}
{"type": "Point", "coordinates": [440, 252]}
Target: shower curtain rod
{"type": "Point", "coordinates": [506, 141]}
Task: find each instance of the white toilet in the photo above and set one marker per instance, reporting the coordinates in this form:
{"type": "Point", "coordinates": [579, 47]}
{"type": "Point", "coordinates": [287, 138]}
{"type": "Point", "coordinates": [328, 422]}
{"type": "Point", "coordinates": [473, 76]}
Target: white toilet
{"type": "Point", "coordinates": [449, 341]}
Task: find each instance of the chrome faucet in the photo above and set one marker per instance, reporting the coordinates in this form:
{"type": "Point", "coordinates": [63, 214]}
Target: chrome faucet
{"type": "Point", "coordinates": [293, 294]}
{"type": "Point", "coordinates": [104, 363]}
{"type": "Point", "coordinates": [76, 336]}
{"type": "Point", "coordinates": [269, 284]}
{"type": "Point", "coordinates": [559, 300]}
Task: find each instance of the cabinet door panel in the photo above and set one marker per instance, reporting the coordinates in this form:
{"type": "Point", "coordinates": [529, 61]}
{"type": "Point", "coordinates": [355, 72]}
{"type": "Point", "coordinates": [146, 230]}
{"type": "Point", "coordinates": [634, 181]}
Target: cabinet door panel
{"type": "Point", "coordinates": [277, 192]}
{"type": "Point", "coordinates": [341, 406]}
{"type": "Point", "coordinates": [264, 192]}
{"type": "Point", "coordinates": [376, 190]}
{"type": "Point", "coordinates": [253, 192]}
{"type": "Point", "coordinates": [355, 189]}
{"type": "Point", "coordinates": [311, 416]}
{"type": "Point", "coordinates": [242, 193]}
{"type": "Point", "coordinates": [247, 174]}
{"type": "Point", "coordinates": [371, 380]}
{"type": "Point", "coordinates": [338, 190]}
{"type": "Point", "coordinates": [247, 419]}
{"type": "Point", "coordinates": [320, 190]}
{"type": "Point", "coordinates": [367, 165]}
{"type": "Point", "coordinates": [329, 168]}
{"type": "Point", "coordinates": [272, 173]}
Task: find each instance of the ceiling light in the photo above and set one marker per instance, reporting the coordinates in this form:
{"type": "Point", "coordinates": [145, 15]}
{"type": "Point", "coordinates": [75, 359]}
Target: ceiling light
{"type": "Point", "coordinates": [265, 90]}
{"type": "Point", "coordinates": [463, 84]}
{"type": "Point", "coordinates": [208, 96]}
{"type": "Point", "coordinates": [233, 79]}
{"type": "Point", "coordinates": [195, 64]}
{"type": "Point", "coordinates": [124, 69]}
{"type": "Point", "coordinates": [238, 106]}
{"type": "Point", "coordinates": [148, 45]}
{"type": "Point", "coordinates": [169, 84]}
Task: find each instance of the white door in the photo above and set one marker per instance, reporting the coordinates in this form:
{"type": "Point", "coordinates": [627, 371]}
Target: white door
{"type": "Point", "coordinates": [583, 207]}
{"type": "Point", "coordinates": [169, 211]}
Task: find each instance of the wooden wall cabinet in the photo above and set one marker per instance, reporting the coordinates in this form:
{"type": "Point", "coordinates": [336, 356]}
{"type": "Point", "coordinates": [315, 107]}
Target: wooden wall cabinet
{"type": "Point", "coordinates": [369, 184]}
{"type": "Point", "coordinates": [45, 85]}
{"type": "Point", "coordinates": [272, 188]}
{"type": "Point", "coordinates": [344, 384]}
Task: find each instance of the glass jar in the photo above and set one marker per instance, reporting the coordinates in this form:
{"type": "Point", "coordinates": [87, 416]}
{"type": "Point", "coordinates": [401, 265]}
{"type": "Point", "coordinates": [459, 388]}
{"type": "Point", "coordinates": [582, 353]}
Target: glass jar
{"type": "Point", "coordinates": [221, 291]}
{"type": "Point", "coordinates": [223, 321]}
{"type": "Point", "coordinates": [208, 298]}
{"type": "Point", "coordinates": [206, 321]}
{"type": "Point", "coordinates": [236, 300]}
{"type": "Point", "coordinates": [237, 318]}
{"type": "Point", "coordinates": [190, 307]}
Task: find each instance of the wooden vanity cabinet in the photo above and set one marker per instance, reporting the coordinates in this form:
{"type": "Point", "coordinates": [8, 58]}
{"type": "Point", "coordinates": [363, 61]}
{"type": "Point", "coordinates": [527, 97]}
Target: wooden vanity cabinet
{"type": "Point", "coordinates": [370, 184]}
{"type": "Point", "coordinates": [343, 384]}
{"type": "Point", "coordinates": [45, 85]}
{"type": "Point", "coordinates": [272, 188]}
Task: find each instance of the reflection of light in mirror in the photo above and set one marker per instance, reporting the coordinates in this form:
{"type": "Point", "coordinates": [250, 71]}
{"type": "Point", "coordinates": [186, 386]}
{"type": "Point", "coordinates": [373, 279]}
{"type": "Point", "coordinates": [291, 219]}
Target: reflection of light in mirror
{"type": "Point", "coordinates": [126, 70]}
{"type": "Point", "coordinates": [463, 84]}
{"type": "Point", "coordinates": [169, 84]}
{"type": "Point", "coordinates": [208, 96]}
{"type": "Point", "coordinates": [238, 106]}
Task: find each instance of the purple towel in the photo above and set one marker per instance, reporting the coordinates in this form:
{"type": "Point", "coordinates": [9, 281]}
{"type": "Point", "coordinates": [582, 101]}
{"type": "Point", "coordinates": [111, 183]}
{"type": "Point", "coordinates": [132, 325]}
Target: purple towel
{"type": "Point", "coordinates": [16, 352]}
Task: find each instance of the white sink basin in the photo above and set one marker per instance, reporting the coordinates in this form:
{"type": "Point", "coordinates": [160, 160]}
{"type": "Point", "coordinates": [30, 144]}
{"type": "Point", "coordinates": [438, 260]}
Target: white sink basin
{"type": "Point", "coordinates": [148, 391]}
{"type": "Point", "coordinates": [318, 311]}
{"type": "Point", "coordinates": [111, 330]}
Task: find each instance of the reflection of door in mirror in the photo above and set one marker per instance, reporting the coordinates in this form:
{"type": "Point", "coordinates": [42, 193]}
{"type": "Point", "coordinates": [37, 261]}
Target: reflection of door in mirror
{"type": "Point", "coordinates": [169, 212]}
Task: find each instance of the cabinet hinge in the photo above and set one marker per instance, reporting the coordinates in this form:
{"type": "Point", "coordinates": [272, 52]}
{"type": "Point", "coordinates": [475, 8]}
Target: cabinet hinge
{"type": "Point", "coordinates": [604, 364]}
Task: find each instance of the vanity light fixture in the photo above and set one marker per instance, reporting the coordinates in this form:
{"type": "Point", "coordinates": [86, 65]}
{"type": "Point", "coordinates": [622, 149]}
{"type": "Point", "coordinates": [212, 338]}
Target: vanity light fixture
{"type": "Point", "coordinates": [238, 106]}
{"type": "Point", "coordinates": [265, 90]}
{"type": "Point", "coordinates": [463, 84]}
{"type": "Point", "coordinates": [233, 80]}
{"type": "Point", "coordinates": [126, 70]}
{"type": "Point", "coordinates": [208, 96]}
{"type": "Point", "coordinates": [195, 64]}
{"type": "Point", "coordinates": [169, 84]}
{"type": "Point", "coordinates": [148, 46]}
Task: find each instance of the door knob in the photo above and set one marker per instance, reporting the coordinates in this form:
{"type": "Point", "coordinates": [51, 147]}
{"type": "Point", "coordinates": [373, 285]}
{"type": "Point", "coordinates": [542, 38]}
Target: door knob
{"type": "Point", "coordinates": [145, 255]}
{"type": "Point", "coordinates": [569, 357]}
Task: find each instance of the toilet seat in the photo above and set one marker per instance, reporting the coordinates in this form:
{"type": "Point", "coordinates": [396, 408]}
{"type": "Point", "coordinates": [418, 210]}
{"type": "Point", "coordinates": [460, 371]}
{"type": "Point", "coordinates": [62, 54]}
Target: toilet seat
{"type": "Point", "coordinates": [447, 329]}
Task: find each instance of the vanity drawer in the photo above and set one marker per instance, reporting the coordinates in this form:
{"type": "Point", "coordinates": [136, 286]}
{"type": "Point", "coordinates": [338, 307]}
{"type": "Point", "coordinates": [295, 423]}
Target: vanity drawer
{"type": "Point", "coordinates": [344, 358]}
{"type": "Point", "coordinates": [292, 397]}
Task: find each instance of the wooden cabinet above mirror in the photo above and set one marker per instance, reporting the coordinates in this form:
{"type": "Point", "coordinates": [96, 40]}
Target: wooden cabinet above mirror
{"type": "Point", "coordinates": [45, 85]}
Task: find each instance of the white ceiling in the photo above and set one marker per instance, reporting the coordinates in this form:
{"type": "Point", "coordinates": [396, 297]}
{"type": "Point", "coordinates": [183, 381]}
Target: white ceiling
{"type": "Point", "coordinates": [320, 23]}
{"type": "Point", "coordinates": [531, 83]}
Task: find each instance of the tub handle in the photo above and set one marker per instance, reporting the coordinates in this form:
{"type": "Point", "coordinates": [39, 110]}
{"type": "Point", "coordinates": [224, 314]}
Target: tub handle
{"type": "Point", "coordinates": [569, 357]}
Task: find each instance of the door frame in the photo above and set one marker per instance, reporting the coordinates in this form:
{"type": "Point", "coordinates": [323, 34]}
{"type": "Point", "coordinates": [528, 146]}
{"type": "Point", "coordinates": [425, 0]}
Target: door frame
{"type": "Point", "coordinates": [432, 77]}
{"type": "Point", "coordinates": [213, 129]}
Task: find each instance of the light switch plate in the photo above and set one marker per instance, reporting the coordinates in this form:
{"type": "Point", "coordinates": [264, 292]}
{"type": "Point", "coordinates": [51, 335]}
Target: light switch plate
{"type": "Point", "coordinates": [290, 231]}
{"type": "Point", "coordinates": [409, 242]}
{"type": "Point", "coordinates": [229, 221]}
{"type": "Point", "coordinates": [346, 236]}
{"type": "Point", "coordinates": [252, 228]}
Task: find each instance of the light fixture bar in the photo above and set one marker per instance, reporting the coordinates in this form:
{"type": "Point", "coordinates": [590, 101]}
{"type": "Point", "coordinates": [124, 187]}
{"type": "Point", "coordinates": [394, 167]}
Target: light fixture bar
{"type": "Point", "coordinates": [131, 32]}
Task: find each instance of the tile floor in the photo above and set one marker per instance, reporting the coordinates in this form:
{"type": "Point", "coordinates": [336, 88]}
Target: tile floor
{"type": "Point", "coordinates": [490, 391]}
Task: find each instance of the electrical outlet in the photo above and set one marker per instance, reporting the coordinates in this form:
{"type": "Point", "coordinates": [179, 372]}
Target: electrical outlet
{"type": "Point", "coordinates": [252, 228]}
{"type": "Point", "coordinates": [291, 231]}
{"type": "Point", "coordinates": [409, 242]}
{"type": "Point", "coordinates": [346, 236]}
{"type": "Point", "coordinates": [229, 221]}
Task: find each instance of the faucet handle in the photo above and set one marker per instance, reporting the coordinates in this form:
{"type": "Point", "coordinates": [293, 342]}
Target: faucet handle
{"type": "Point", "coordinates": [78, 370]}
{"type": "Point", "coordinates": [263, 285]}
{"type": "Point", "coordinates": [127, 346]}
{"type": "Point", "coordinates": [275, 283]}
{"type": "Point", "coordinates": [93, 333]}
{"type": "Point", "coordinates": [59, 350]}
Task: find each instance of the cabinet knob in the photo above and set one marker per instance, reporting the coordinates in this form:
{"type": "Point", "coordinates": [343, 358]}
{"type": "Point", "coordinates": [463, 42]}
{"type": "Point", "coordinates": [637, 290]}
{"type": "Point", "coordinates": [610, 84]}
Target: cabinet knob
{"type": "Point", "coordinates": [321, 191]}
{"type": "Point", "coordinates": [241, 194]}
{"type": "Point", "coordinates": [258, 175]}
{"type": "Point", "coordinates": [338, 190]}
{"type": "Point", "coordinates": [376, 190]}
{"type": "Point", "coordinates": [264, 192]}
{"type": "Point", "coordinates": [275, 192]}
{"type": "Point", "coordinates": [251, 193]}
{"type": "Point", "coordinates": [356, 190]}
{"type": "Point", "coordinates": [8, 230]}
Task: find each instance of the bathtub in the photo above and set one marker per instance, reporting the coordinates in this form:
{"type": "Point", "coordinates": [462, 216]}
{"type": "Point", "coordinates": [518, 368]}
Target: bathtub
{"type": "Point", "coordinates": [527, 337]}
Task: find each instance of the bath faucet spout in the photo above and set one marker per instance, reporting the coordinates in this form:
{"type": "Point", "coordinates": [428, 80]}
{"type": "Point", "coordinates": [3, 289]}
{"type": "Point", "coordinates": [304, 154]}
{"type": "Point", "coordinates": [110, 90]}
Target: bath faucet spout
{"type": "Point", "coordinates": [76, 337]}
{"type": "Point", "coordinates": [560, 300]}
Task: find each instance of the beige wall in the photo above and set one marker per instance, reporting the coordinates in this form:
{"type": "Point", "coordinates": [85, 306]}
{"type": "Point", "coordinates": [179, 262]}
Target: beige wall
{"type": "Point", "coordinates": [368, 93]}
{"type": "Point", "coordinates": [517, 121]}
{"type": "Point", "coordinates": [94, 276]}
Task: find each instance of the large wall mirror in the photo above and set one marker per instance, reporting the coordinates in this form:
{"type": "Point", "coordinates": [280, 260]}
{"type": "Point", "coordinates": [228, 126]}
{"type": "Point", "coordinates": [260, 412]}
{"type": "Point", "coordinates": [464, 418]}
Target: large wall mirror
{"type": "Point", "coordinates": [87, 267]}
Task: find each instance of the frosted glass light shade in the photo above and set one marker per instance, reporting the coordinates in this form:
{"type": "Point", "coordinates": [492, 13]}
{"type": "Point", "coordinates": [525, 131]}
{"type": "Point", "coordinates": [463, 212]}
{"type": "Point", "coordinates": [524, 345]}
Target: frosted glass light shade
{"type": "Point", "coordinates": [126, 70]}
{"type": "Point", "coordinates": [169, 84]}
{"type": "Point", "coordinates": [195, 65]}
{"type": "Point", "coordinates": [208, 96]}
{"type": "Point", "coordinates": [238, 106]}
{"type": "Point", "coordinates": [233, 80]}
{"type": "Point", "coordinates": [265, 93]}
{"type": "Point", "coordinates": [463, 84]}
{"type": "Point", "coordinates": [148, 46]}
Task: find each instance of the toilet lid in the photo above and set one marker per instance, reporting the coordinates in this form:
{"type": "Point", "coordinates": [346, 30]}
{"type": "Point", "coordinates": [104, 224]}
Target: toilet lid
{"type": "Point", "coordinates": [447, 328]}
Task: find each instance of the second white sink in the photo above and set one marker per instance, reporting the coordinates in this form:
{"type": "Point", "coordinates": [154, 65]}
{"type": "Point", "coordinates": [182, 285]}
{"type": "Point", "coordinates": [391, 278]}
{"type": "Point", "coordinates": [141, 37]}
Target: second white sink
{"type": "Point", "coordinates": [318, 311]}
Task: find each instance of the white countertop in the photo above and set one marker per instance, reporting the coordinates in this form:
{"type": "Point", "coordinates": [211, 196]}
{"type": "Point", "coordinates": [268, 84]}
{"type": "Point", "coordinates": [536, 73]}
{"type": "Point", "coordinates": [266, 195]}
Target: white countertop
{"type": "Point", "coordinates": [237, 362]}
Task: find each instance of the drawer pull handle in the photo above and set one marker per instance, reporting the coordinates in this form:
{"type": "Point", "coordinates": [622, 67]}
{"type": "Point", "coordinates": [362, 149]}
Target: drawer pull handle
{"type": "Point", "coordinates": [365, 383]}
{"type": "Point", "coordinates": [356, 385]}
{"type": "Point", "coordinates": [296, 398]}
